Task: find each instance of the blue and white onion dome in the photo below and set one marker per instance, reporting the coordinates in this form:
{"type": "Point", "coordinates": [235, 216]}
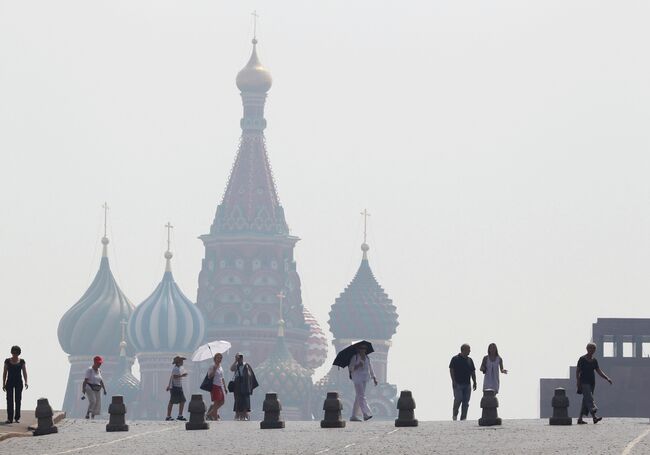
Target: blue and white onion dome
{"type": "Point", "coordinates": [92, 325]}
{"type": "Point", "coordinates": [167, 321]}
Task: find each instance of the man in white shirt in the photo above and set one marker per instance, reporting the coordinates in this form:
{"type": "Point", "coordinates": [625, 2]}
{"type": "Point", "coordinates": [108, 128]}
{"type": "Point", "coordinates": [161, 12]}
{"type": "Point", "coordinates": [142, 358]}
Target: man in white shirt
{"type": "Point", "coordinates": [360, 373]}
{"type": "Point", "coordinates": [175, 388]}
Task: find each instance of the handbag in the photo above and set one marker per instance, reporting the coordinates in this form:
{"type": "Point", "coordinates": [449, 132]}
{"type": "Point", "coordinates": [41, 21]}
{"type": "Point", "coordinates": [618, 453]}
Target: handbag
{"type": "Point", "coordinates": [206, 384]}
{"type": "Point", "coordinates": [95, 387]}
{"type": "Point", "coordinates": [231, 384]}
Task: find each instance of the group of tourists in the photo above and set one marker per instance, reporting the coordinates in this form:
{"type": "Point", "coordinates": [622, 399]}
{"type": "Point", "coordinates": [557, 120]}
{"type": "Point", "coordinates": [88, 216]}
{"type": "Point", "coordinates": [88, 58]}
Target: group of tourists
{"type": "Point", "coordinates": [241, 386]}
{"type": "Point", "coordinates": [461, 369]}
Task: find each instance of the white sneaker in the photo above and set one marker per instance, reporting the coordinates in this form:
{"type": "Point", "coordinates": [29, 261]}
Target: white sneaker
{"type": "Point", "coordinates": [355, 419]}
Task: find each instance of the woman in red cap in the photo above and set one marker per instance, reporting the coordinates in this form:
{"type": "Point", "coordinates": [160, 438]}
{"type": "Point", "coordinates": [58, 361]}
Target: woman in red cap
{"type": "Point", "coordinates": [92, 387]}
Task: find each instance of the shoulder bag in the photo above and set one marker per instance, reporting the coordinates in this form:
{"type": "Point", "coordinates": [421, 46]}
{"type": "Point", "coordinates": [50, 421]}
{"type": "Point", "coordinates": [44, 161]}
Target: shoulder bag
{"type": "Point", "coordinates": [231, 383]}
{"type": "Point", "coordinates": [206, 384]}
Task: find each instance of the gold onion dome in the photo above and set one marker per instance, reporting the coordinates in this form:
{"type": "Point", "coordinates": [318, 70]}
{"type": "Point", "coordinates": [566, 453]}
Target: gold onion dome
{"type": "Point", "coordinates": [254, 77]}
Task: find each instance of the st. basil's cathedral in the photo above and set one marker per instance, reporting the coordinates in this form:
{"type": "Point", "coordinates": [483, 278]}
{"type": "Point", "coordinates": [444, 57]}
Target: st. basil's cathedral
{"type": "Point", "coordinates": [249, 293]}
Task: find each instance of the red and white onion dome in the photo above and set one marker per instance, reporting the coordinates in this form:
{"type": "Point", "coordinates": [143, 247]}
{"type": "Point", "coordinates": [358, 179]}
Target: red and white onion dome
{"type": "Point", "coordinates": [317, 344]}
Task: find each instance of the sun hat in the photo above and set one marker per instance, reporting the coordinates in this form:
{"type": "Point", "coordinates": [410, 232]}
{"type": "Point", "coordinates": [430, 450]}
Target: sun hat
{"type": "Point", "coordinates": [177, 358]}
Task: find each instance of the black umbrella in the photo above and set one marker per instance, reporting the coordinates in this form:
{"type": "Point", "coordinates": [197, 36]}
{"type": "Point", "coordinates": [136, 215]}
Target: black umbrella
{"type": "Point", "coordinates": [343, 358]}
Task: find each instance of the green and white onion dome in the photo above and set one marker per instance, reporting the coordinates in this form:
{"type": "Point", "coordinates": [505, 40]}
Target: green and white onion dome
{"type": "Point", "coordinates": [92, 325]}
{"type": "Point", "coordinates": [167, 321]}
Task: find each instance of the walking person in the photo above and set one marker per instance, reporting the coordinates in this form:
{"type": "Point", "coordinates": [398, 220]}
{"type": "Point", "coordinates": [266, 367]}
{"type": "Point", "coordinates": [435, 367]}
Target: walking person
{"type": "Point", "coordinates": [361, 371]}
{"type": "Point", "coordinates": [491, 366]}
{"type": "Point", "coordinates": [586, 382]}
{"type": "Point", "coordinates": [175, 389]}
{"type": "Point", "coordinates": [219, 391]}
{"type": "Point", "coordinates": [461, 369]}
{"type": "Point", "coordinates": [244, 382]}
{"type": "Point", "coordinates": [92, 388]}
{"type": "Point", "coordinates": [12, 383]}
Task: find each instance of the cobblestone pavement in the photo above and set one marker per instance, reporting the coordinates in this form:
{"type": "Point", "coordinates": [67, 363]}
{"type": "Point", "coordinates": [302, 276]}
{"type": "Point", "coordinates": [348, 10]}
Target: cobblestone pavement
{"type": "Point", "coordinates": [612, 436]}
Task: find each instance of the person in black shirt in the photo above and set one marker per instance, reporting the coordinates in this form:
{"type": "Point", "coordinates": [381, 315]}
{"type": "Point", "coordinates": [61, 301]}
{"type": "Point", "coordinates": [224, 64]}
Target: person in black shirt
{"type": "Point", "coordinates": [12, 383]}
{"type": "Point", "coordinates": [461, 369]}
{"type": "Point", "coordinates": [586, 379]}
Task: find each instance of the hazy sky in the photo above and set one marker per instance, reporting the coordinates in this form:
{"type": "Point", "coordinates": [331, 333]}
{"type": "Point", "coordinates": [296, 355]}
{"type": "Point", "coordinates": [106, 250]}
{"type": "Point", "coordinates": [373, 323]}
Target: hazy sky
{"type": "Point", "coordinates": [501, 147]}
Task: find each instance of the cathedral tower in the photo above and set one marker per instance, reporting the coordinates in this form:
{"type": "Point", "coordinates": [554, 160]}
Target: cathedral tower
{"type": "Point", "coordinates": [249, 251]}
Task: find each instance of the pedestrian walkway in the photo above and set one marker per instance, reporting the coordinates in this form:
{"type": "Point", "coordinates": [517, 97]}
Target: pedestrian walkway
{"type": "Point", "coordinates": [611, 437]}
{"type": "Point", "coordinates": [23, 428]}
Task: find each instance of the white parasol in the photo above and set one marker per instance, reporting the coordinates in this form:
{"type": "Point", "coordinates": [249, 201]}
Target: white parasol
{"type": "Point", "coordinates": [208, 350]}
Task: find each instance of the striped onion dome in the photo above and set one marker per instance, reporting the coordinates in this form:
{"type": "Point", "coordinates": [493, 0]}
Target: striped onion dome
{"type": "Point", "coordinates": [363, 310]}
{"type": "Point", "coordinates": [167, 321]}
{"type": "Point", "coordinates": [92, 325]}
{"type": "Point", "coordinates": [317, 345]}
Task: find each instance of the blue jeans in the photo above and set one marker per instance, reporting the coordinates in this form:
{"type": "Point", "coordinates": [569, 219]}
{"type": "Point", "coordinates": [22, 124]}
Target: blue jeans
{"type": "Point", "coordinates": [462, 392]}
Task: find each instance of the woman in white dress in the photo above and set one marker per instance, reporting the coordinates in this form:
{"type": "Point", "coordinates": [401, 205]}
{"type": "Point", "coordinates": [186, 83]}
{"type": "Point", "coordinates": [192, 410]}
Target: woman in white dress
{"type": "Point", "coordinates": [491, 366]}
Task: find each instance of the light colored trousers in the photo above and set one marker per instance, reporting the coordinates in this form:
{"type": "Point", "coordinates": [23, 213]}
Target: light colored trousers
{"type": "Point", "coordinates": [94, 402]}
{"type": "Point", "coordinates": [360, 402]}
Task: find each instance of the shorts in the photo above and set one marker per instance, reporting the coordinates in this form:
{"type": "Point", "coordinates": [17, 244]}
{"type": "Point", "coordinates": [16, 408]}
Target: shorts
{"type": "Point", "coordinates": [176, 395]}
{"type": "Point", "coordinates": [217, 393]}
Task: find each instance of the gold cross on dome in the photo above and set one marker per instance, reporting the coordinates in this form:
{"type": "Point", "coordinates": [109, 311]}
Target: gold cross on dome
{"type": "Point", "coordinates": [365, 215]}
{"type": "Point", "coordinates": [281, 295]}
{"type": "Point", "coordinates": [105, 207]}
{"type": "Point", "coordinates": [255, 17]}
{"type": "Point", "coordinates": [169, 235]}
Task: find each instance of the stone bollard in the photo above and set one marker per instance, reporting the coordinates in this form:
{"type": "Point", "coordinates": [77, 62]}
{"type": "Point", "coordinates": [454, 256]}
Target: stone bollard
{"type": "Point", "coordinates": [406, 408]}
{"type": "Point", "coordinates": [560, 403]}
{"type": "Point", "coordinates": [271, 408]}
{"type": "Point", "coordinates": [197, 410]}
{"type": "Point", "coordinates": [332, 408]}
{"type": "Point", "coordinates": [117, 415]}
{"type": "Point", "coordinates": [489, 404]}
{"type": "Point", "coordinates": [44, 415]}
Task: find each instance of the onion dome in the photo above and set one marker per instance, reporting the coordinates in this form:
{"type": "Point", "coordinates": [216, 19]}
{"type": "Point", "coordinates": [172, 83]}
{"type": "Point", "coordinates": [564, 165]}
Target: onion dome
{"type": "Point", "coordinates": [123, 382]}
{"type": "Point", "coordinates": [254, 77]}
{"type": "Point", "coordinates": [363, 310]}
{"type": "Point", "coordinates": [281, 373]}
{"type": "Point", "coordinates": [317, 345]}
{"type": "Point", "coordinates": [92, 325]}
{"type": "Point", "coordinates": [167, 321]}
